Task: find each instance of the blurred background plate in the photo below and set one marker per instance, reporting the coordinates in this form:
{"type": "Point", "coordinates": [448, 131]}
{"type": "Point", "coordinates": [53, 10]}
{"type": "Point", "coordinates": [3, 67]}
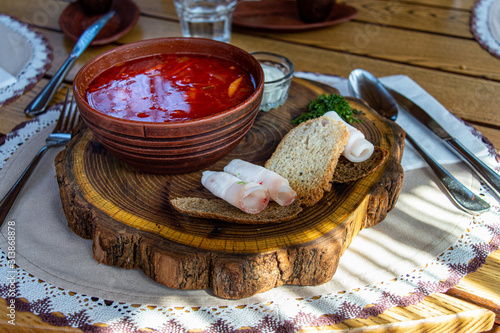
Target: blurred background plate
{"type": "Point", "coordinates": [74, 20]}
{"type": "Point", "coordinates": [282, 16]}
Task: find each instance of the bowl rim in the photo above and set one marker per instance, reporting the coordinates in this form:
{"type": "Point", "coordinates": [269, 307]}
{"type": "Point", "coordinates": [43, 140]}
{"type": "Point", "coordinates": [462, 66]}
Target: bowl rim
{"type": "Point", "coordinates": [181, 124]}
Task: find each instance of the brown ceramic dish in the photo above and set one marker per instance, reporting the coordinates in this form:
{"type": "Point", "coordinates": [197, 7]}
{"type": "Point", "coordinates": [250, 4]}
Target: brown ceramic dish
{"type": "Point", "coordinates": [74, 20]}
{"type": "Point", "coordinates": [283, 16]}
{"type": "Point", "coordinates": [176, 147]}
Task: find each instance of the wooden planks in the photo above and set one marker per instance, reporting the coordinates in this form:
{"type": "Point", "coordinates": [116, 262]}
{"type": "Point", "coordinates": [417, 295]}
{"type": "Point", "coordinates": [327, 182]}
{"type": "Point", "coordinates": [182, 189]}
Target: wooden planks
{"type": "Point", "coordinates": [376, 38]}
{"type": "Point", "coordinates": [448, 54]}
{"type": "Point", "coordinates": [447, 21]}
{"type": "Point", "coordinates": [453, 4]}
{"type": "Point", "coordinates": [433, 314]}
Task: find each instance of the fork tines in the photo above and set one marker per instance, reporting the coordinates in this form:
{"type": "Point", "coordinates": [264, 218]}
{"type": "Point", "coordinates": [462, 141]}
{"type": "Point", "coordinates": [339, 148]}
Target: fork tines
{"type": "Point", "coordinates": [69, 114]}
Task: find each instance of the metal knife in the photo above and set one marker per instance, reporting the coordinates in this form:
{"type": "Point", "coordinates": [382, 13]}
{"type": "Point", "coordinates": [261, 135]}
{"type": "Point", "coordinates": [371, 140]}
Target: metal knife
{"type": "Point", "coordinates": [484, 172]}
{"type": "Point", "coordinates": [41, 101]}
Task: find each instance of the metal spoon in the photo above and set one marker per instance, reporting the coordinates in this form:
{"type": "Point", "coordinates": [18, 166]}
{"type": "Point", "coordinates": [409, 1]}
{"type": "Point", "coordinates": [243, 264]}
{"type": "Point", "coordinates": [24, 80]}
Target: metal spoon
{"type": "Point", "coordinates": [366, 86]}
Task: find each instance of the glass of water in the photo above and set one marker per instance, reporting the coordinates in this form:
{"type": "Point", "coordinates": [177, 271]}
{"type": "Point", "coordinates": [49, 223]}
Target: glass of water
{"type": "Point", "coordinates": [206, 18]}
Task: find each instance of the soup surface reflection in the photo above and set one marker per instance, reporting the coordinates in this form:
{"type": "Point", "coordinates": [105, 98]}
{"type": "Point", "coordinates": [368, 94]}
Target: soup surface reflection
{"type": "Point", "coordinates": [170, 88]}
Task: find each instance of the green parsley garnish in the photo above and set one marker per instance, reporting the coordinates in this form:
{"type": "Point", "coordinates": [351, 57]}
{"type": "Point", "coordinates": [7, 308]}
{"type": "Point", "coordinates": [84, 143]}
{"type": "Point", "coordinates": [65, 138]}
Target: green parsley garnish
{"type": "Point", "coordinates": [325, 103]}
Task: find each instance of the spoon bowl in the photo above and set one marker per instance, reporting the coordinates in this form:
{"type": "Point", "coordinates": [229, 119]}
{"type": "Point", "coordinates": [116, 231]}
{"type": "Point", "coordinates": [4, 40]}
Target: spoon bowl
{"type": "Point", "coordinates": [364, 85]}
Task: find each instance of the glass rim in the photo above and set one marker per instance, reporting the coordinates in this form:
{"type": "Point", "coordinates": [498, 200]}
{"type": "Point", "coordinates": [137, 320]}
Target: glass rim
{"type": "Point", "coordinates": [283, 58]}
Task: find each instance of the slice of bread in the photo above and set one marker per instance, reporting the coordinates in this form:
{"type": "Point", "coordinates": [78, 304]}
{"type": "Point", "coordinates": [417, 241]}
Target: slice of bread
{"type": "Point", "coordinates": [221, 210]}
{"type": "Point", "coordinates": [307, 157]}
{"type": "Point", "coordinates": [347, 171]}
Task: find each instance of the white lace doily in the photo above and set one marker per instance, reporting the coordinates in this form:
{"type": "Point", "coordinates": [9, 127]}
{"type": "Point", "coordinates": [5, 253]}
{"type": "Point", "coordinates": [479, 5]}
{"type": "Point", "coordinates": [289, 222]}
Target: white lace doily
{"type": "Point", "coordinates": [27, 51]}
{"type": "Point", "coordinates": [485, 25]}
{"type": "Point", "coordinates": [82, 311]}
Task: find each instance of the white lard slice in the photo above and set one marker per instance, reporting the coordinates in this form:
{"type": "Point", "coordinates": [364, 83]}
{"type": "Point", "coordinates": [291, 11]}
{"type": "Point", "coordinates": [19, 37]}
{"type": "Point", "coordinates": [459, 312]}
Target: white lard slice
{"type": "Point", "coordinates": [278, 187]}
{"type": "Point", "coordinates": [358, 149]}
{"type": "Point", "coordinates": [250, 197]}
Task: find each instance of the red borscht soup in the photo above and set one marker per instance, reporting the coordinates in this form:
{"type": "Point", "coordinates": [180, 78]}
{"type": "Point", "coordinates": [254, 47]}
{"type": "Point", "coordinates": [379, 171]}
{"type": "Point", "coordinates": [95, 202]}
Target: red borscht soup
{"type": "Point", "coordinates": [170, 88]}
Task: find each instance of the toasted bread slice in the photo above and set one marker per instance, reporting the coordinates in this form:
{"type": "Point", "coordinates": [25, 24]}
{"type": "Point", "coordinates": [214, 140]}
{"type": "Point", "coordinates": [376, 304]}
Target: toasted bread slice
{"type": "Point", "coordinates": [347, 171]}
{"type": "Point", "coordinates": [221, 210]}
{"type": "Point", "coordinates": [307, 157]}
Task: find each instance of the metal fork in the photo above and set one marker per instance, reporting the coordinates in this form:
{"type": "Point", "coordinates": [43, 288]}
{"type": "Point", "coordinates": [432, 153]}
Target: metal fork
{"type": "Point", "coordinates": [59, 136]}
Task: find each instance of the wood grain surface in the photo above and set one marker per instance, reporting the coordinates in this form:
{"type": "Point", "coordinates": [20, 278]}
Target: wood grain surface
{"type": "Point", "coordinates": [128, 215]}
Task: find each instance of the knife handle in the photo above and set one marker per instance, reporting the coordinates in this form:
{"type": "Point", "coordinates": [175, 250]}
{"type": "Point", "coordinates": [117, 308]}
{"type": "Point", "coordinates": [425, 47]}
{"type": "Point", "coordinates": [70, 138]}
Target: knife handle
{"type": "Point", "coordinates": [485, 172]}
{"type": "Point", "coordinates": [41, 101]}
{"type": "Point", "coordinates": [460, 194]}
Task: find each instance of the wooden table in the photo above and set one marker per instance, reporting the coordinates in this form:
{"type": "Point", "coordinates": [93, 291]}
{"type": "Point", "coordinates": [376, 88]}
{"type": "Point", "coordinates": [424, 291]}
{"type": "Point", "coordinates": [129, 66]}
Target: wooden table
{"type": "Point", "coordinates": [430, 41]}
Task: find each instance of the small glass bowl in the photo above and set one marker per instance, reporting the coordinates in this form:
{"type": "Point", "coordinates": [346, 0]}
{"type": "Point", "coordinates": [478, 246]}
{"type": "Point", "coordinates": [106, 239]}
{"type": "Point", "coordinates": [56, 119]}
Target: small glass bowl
{"type": "Point", "coordinates": [278, 74]}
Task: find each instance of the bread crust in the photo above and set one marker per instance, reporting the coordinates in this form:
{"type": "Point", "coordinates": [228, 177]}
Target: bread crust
{"type": "Point", "coordinates": [221, 210]}
{"type": "Point", "coordinates": [347, 171]}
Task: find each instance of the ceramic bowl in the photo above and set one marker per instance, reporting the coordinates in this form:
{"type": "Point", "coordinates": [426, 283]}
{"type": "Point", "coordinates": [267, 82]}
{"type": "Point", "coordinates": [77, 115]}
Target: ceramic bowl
{"type": "Point", "coordinates": [175, 147]}
{"type": "Point", "coordinates": [75, 20]}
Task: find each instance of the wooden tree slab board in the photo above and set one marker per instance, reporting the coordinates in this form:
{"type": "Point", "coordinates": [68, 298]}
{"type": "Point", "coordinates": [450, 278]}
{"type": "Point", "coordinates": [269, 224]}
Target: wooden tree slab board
{"type": "Point", "coordinates": [128, 216]}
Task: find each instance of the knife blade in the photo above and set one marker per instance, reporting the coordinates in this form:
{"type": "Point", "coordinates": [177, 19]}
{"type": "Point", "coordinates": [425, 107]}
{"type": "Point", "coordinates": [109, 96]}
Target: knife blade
{"type": "Point", "coordinates": [489, 176]}
{"type": "Point", "coordinates": [40, 102]}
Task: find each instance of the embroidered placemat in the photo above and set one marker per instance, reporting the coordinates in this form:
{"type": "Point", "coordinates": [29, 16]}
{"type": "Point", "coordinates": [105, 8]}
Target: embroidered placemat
{"type": "Point", "coordinates": [107, 294]}
{"type": "Point", "coordinates": [485, 25]}
{"type": "Point", "coordinates": [26, 55]}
